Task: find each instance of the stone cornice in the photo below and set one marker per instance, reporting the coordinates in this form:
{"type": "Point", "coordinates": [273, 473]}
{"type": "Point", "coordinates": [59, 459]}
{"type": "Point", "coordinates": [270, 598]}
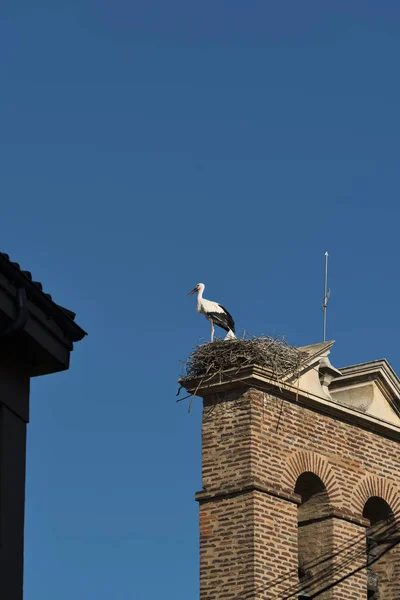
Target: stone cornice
{"type": "Point", "coordinates": [250, 485]}
{"type": "Point", "coordinates": [335, 513]}
{"type": "Point", "coordinates": [244, 487]}
{"type": "Point", "coordinates": [264, 380]}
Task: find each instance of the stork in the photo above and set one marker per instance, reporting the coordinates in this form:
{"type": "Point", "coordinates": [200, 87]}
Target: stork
{"type": "Point", "coordinates": [214, 312]}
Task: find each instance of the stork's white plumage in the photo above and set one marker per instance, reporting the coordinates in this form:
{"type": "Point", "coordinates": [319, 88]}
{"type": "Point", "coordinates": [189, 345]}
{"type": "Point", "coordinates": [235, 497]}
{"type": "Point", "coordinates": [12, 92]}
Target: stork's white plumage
{"type": "Point", "coordinates": [214, 312]}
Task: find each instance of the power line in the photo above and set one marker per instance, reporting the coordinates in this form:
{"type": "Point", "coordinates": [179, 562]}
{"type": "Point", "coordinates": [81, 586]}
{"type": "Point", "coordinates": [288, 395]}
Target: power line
{"type": "Point", "coordinates": [368, 563]}
{"type": "Point", "coordinates": [331, 570]}
{"type": "Point", "coordinates": [307, 566]}
{"type": "Point", "coordinates": [323, 573]}
{"type": "Point", "coordinates": [334, 569]}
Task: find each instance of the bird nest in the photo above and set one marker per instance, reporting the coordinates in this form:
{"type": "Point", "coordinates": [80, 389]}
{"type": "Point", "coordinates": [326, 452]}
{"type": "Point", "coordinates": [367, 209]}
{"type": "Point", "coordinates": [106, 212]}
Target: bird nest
{"type": "Point", "coordinates": [213, 358]}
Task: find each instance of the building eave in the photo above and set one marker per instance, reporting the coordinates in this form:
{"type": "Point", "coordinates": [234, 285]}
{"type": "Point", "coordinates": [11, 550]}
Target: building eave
{"type": "Point", "coordinates": [63, 317]}
{"type": "Point", "coordinates": [315, 350]}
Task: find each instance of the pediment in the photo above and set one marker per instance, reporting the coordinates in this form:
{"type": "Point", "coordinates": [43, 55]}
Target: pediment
{"type": "Point", "coordinates": [371, 388]}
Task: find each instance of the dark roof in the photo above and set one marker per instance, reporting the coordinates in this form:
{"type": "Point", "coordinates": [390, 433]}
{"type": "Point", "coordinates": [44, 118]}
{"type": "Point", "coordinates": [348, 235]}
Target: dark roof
{"type": "Point", "coordinates": [34, 290]}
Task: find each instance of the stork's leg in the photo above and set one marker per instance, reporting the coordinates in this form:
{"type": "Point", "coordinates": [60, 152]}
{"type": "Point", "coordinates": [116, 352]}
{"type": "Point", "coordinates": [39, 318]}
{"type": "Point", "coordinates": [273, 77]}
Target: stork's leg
{"type": "Point", "coordinates": [212, 331]}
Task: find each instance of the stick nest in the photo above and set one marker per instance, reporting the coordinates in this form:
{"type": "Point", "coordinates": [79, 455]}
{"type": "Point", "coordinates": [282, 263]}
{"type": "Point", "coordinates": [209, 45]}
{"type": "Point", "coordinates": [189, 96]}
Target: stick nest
{"type": "Point", "coordinates": [212, 358]}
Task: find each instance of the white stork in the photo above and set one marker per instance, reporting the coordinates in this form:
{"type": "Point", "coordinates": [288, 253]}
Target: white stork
{"type": "Point", "coordinates": [214, 312]}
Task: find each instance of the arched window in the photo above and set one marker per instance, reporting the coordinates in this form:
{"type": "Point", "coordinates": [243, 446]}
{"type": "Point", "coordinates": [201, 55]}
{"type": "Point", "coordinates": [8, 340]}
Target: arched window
{"type": "Point", "coordinates": [315, 534]}
{"type": "Point", "coordinates": [383, 562]}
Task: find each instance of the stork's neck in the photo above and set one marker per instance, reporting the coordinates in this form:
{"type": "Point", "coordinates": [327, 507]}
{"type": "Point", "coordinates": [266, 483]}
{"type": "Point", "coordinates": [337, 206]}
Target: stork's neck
{"type": "Point", "coordinates": [199, 299]}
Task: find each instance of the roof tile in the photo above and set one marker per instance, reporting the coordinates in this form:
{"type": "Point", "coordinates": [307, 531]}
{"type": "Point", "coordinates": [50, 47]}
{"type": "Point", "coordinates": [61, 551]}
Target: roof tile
{"type": "Point", "coordinates": [51, 307]}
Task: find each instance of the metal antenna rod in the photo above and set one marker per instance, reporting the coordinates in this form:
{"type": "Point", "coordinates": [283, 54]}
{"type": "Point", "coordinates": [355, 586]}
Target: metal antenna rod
{"type": "Point", "coordinates": [327, 294]}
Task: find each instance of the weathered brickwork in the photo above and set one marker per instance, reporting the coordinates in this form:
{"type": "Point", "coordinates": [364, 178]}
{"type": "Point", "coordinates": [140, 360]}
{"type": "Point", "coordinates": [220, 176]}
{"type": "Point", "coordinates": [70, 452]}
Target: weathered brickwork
{"type": "Point", "coordinates": [315, 550]}
{"type": "Point", "coordinates": [275, 541]}
{"type": "Point", "coordinates": [254, 522]}
{"type": "Point", "coordinates": [349, 547]}
{"type": "Point", "coordinates": [227, 547]}
{"type": "Point", "coordinates": [226, 441]}
{"type": "Point", "coordinates": [387, 568]}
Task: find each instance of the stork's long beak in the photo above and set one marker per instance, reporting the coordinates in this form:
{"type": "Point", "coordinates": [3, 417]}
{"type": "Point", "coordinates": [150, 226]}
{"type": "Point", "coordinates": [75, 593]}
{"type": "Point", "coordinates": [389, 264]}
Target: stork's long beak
{"type": "Point", "coordinates": [194, 290]}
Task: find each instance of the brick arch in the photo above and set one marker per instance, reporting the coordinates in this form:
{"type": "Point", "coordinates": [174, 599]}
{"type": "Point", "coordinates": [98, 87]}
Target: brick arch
{"type": "Point", "coordinates": [376, 486]}
{"type": "Point", "coordinates": [304, 461]}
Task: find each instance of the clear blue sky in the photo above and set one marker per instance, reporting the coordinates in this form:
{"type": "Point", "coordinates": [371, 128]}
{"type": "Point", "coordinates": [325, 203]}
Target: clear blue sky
{"type": "Point", "coordinates": [146, 146]}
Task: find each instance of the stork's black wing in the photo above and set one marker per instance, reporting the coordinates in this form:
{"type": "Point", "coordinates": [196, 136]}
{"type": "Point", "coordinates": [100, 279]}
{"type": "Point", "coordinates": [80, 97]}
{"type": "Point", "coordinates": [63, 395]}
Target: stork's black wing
{"type": "Point", "coordinates": [223, 319]}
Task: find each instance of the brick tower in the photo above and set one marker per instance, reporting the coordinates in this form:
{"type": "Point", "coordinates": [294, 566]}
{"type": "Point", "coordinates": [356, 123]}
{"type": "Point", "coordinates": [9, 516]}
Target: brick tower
{"type": "Point", "coordinates": [301, 482]}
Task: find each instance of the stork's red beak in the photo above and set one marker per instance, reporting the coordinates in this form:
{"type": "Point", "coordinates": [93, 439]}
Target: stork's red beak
{"type": "Point", "coordinates": [193, 291]}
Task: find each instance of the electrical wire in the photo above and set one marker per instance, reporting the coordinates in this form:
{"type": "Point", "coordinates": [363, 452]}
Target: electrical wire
{"type": "Point", "coordinates": [335, 569]}
{"type": "Point", "coordinates": [369, 562]}
{"type": "Point", "coordinates": [328, 572]}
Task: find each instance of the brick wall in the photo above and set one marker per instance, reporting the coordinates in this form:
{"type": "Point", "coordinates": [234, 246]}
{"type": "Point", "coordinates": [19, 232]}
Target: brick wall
{"type": "Point", "coordinates": [275, 547]}
{"type": "Point", "coordinates": [227, 547]}
{"type": "Point", "coordinates": [255, 447]}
